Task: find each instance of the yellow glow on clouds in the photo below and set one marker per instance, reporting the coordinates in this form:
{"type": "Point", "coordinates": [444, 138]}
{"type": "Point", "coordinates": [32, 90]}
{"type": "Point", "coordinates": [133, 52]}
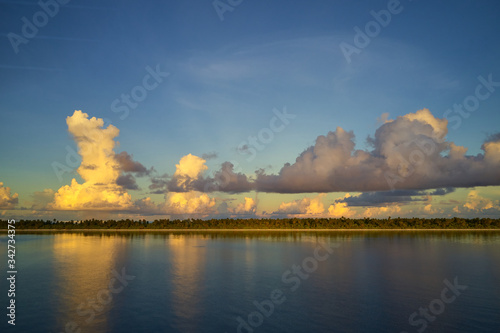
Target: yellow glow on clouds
{"type": "Point", "coordinates": [189, 203]}
{"type": "Point", "coordinates": [381, 211]}
{"type": "Point", "coordinates": [7, 201]}
{"type": "Point", "coordinates": [340, 209]}
{"type": "Point", "coordinates": [476, 202]}
{"type": "Point", "coordinates": [189, 167]}
{"type": "Point", "coordinates": [249, 206]}
{"type": "Point", "coordinates": [99, 168]}
{"type": "Point", "coordinates": [305, 206]}
{"type": "Point", "coordinates": [314, 207]}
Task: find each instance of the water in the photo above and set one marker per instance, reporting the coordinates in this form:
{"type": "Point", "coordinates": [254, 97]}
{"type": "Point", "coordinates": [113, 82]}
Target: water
{"type": "Point", "coordinates": [227, 281]}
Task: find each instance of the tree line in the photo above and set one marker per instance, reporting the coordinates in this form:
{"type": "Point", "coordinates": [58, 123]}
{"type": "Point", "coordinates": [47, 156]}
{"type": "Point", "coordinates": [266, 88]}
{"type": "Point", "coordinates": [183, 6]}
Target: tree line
{"type": "Point", "coordinates": [265, 223]}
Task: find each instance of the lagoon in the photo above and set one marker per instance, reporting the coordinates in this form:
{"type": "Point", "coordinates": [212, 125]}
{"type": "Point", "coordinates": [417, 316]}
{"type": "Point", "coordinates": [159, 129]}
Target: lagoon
{"type": "Point", "coordinates": [256, 281]}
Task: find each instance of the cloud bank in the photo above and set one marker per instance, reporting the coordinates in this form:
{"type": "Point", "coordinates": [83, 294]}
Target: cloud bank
{"type": "Point", "coordinates": [409, 152]}
{"type": "Point", "coordinates": [408, 155]}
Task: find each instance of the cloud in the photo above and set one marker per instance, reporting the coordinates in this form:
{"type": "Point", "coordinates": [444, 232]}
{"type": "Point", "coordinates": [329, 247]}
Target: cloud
{"type": "Point", "coordinates": [88, 196]}
{"type": "Point", "coordinates": [7, 201]}
{"type": "Point", "coordinates": [127, 164]}
{"type": "Point", "coordinates": [189, 203]}
{"type": "Point", "coordinates": [442, 191]}
{"type": "Point", "coordinates": [189, 167]}
{"type": "Point", "coordinates": [190, 176]}
{"type": "Point", "coordinates": [100, 169]}
{"type": "Point", "coordinates": [42, 198]}
{"type": "Point", "coordinates": [381, 198]}
{"type": "Point", "coordinates": [209, 156]}
{"type": "Point", "coordinates": [384, 198]}
{"type": "Point", "coordinates": [226, 180]}
{"type": "Point", "coordinates": [189, 170]}
{"type": "Point", "coordinates": [305, 206]}
{"type": "Point", "coordinates": [493, 137]}
{"type": "Point", "coordinates": [409, 152]}
{"type": "Point", "coordinates": [340, 209]}
{"type": "Point", "coordinates": [127, 182]}
{"type": "Point", "coordinates": [477, 203]}
{"type": "Point", "coordinates": [384, 118]}
{"type": "Point", "coordinates": [146, 206]}
{"type": "Point", "coordinates": [249, 206]}
{"type": "Point", "coordinates": [159, 184]}
{"type": "Point", "coordinates": [430, 210]}
{"type": "Point", "coordinates": [381, 212]}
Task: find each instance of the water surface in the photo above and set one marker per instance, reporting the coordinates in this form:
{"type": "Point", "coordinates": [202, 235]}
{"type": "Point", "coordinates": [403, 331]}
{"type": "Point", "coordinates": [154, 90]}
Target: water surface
{"type": "Point", "coordinates": [226, 281]}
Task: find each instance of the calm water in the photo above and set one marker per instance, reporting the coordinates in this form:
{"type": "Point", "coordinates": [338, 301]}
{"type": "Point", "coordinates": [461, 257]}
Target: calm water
{"type": "Point", "coordinates": [256, 282]}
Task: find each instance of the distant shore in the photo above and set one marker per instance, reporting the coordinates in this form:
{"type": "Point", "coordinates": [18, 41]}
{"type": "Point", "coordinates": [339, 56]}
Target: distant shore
{"type": "Point", "coordinates": [267, 225]}
{"type": "Point", "coordinates": [239, 230]}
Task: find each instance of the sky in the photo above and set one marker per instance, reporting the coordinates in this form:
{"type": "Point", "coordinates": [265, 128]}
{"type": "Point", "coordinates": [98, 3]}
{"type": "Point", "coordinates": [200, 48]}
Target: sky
{"type": "Point", "coordinates": [249, 109]}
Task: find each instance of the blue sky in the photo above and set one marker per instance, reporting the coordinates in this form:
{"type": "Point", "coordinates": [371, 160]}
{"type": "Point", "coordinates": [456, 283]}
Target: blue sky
{"type": "Point", "coordinates": [225, 78]}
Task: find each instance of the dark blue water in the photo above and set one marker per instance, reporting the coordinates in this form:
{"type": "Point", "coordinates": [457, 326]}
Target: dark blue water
{"type": "Point", "coordinates": [255, 282]}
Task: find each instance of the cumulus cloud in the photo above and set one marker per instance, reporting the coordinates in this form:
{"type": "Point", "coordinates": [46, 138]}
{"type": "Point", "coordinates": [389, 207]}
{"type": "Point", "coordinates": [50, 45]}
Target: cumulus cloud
{"type": "Point", "coordinates": [249, 206]}
{"type": "Point", "coordinates": [305, 206]}
{"type": "Point", "coordinates": [190, 176]}
{"type": "Point", "coordinates": [340, 209]}
{"type": "Point", "coordinates": [409, 152]}
{"type": "Point", "coordinates": [381, 212]}
{"type": "Point", "coordinates": [188, 172]}
{"type": "Point", "coordinates": [227, 180]}
{"type": "Point", "coordinates": [190, 168]}
{"type": "Point", "coordinates": [431, 210]}
{"type": "Point", "coordinates": [7, 200]}
{"type": "Point", "coordinates": [100, 169]}
{"type": "Point", "coordinates": [477, 203]}
{"type": "Point", "coordinates": [186, 189]}
{"type": "Point", "coordinates": [189, 203]}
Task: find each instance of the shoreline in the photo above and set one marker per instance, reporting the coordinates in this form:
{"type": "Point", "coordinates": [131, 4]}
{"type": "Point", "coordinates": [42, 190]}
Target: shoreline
{"type": "Point", "coordinates": [240, 230]}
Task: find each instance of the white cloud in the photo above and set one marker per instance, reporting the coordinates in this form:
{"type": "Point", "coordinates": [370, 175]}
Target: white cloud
{"type": "Point", "coordinates": [7, 200]}
{"type": "Point", "coordinates": [99, 168]}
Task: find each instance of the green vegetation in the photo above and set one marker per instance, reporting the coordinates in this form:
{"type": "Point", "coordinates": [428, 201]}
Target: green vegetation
{"type": "Point", "coordinates": [288, 223]}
